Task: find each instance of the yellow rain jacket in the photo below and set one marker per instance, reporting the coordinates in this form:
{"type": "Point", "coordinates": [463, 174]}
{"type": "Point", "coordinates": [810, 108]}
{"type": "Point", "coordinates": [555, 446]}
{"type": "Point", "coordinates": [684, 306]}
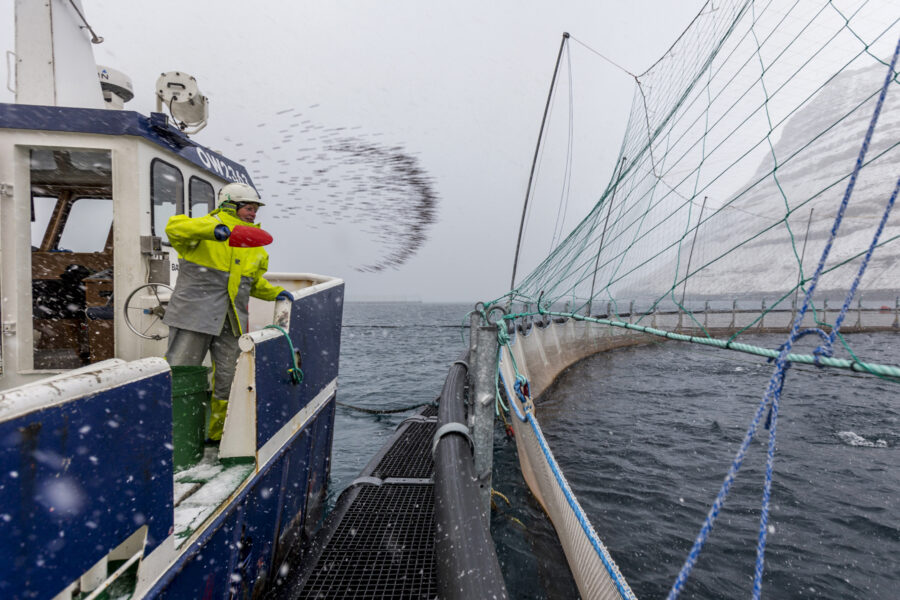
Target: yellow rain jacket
{"type": "Point", "coordinates": [215, 280]}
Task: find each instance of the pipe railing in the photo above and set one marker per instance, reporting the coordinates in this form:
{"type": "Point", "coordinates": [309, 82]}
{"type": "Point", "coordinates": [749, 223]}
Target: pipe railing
{"type": "Point", "coordinates": [463, 542]}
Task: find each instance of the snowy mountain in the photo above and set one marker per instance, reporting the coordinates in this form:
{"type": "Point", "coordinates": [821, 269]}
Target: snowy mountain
{"type": "Point", "coordinates": [815, 153]}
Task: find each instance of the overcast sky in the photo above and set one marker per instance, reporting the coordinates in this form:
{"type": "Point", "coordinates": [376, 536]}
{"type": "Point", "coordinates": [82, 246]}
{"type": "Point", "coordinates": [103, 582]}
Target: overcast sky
{"type": "Point", "coordinates": [460, 86]}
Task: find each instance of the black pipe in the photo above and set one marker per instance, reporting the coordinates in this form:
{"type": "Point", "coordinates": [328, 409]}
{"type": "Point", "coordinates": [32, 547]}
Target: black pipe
{"type": "Point", "coordinates": [463, 543]}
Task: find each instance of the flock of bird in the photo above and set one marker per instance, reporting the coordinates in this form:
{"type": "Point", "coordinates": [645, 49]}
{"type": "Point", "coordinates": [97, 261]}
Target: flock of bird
{"type": "Point", "coordinates": [338, 176]}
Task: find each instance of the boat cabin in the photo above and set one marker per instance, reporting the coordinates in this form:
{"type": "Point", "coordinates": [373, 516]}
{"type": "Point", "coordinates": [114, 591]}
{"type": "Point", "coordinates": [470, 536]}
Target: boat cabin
{"type": "Point", "coordinates": [102, 444]}
{"type": "Point", "coordinates": [86, 194]}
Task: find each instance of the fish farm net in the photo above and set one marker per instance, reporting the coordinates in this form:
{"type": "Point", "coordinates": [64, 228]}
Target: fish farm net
{"type": "Point", "coordinates": [740, 145]}
{"type": "Point", "coordinates": [753, 192]}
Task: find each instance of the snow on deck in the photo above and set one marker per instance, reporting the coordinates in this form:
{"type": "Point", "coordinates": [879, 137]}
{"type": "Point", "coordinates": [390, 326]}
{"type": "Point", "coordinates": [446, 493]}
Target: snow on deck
{"type": "Point", "coordinates": [203, 488]}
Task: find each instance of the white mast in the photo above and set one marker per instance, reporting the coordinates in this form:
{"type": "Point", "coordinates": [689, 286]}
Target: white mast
{"type": "Point", "coordinates": [54, 59]}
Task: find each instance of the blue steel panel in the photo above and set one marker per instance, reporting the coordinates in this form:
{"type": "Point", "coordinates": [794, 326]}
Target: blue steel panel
{"type": "Point", "coordinates": [78, 478]}
{"type": "Point", "coordinates": [293, 501]}
{"type": "Point", "coordinates": [233, 558]}
{"type": "Point", "coordinates": [203, 570]}
{"type": "Point", "coordinates": [120, 122]}
{"type": "Point", "coordinates": [316, 332]}
{"type": "Point", "coordinates": [322, 431]}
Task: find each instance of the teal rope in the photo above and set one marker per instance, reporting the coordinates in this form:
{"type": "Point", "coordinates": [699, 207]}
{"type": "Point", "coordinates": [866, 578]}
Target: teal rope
{"type": "Point", "coordinates": [294, 371]}
{"type": "Point", "coordinates": [807, 359]}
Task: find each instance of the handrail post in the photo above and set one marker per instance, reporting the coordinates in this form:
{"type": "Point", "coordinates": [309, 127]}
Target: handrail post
{"type": "Point", "coordinates": [281, 315]}
{"type": "Point", "coordinates": [859, 313]}
{"type": "Point", "coordinates": [482, 371]}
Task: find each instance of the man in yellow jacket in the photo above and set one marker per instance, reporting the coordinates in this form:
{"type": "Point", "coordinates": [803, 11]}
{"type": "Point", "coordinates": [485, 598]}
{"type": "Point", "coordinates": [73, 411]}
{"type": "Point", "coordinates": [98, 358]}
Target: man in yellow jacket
{"type": "Point", "coordinates": [209, 308]}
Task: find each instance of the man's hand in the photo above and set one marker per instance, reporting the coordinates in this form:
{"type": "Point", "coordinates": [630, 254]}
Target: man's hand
{"type": "Point", "coordinates": [285, 295]}
{"type": "Point", "coordinates": [221, 232]}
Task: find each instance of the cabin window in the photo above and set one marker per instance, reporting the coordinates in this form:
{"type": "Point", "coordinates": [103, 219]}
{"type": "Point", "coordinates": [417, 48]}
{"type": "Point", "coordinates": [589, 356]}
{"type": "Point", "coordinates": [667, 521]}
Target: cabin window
{"type": "Point", "coordinates": [202, 197]}
{"type": "Point", "coordinates": [71, 256]}
{"type": "Point", "coordinates": [166, 194]}
{"type": "Point", "coordinates": [82, 224]}
{"type": "Point", "coordinates": [87, 228]}
{"type": "Point", "coordinates": [41, 210]}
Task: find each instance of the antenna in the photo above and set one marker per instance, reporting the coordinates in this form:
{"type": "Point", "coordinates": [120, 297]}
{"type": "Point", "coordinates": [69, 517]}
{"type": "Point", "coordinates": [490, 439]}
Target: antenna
{"type": "Point", "coordinates": [179, 92]}
{"type": "Point", "coordinates": [116, 87]}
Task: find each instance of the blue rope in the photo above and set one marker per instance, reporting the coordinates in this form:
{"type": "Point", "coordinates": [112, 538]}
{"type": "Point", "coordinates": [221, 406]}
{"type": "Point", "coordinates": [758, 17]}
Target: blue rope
{"type": "Point", "coordinates": [771, 425]}
{"type": "Point", "coordinates": [599, 548]}
{"type": "Point", "coordinates": [521, 384]}
{"type": "Point", "coordinates": [522, 392]}
{"type": "Point", "coordinates": [865, 263]}
{"type": "Point", "coordinates": [515, 407]}
{"type": "Point", "coordinates": [720, 500]}
{"type": "Point", "coordinates": [776, 382]}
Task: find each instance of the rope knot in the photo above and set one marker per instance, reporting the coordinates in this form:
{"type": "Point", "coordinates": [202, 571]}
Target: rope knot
{"type": "Point", "coordinates": [826, 349]}
{"type": "Point", "coordinates": [523, 391]}
{"type": "Point", "coordinates": [540, 304]}
{"type": "Point", "coordinates": [502, 333]}
{"type": "Point", "coordinates": [780, 349]}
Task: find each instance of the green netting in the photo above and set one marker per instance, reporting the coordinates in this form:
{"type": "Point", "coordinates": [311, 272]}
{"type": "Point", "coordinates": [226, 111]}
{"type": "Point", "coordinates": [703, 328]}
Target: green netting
{"type": "Point", "coordinates": [737, 152]}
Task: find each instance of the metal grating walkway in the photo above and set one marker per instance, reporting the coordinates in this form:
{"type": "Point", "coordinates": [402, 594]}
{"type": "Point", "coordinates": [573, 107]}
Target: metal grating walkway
{"type": "Point", "coordinates": [379, 540]}
{"type": "Point", "coordinates": [410, 454]}
{"type": "Point", "coordinates": [384, 548]}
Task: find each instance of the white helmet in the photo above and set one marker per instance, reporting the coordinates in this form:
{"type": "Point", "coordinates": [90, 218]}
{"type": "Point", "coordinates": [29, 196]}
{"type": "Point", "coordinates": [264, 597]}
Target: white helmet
{"type": "Point", "coordinates": [239, 193]}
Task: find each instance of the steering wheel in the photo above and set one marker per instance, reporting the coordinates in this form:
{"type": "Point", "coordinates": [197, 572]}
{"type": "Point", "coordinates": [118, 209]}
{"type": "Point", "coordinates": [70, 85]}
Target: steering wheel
{"type": "Point", "coordinates": [157, 312]}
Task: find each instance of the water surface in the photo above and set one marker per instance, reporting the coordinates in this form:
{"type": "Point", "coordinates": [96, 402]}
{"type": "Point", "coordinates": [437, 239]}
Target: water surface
{"type": "Point", "coordinates": [645, 436]}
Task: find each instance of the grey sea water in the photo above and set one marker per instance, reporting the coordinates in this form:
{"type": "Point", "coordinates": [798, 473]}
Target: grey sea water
{"type": "Point", "coordinates": [392, 355]}
{"type": "Point", "coordinates": [645, 436]}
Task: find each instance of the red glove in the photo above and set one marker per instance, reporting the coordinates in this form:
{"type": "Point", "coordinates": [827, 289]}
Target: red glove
{"type": "Point", "coordinates": [244, 236]}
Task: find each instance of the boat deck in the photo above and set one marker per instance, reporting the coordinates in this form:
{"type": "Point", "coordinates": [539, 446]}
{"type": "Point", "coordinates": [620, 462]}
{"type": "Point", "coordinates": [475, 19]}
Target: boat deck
{"type": "Point", "coordinates": [378, 542]}
{"type": "Point", "coordinates": [201, 489]}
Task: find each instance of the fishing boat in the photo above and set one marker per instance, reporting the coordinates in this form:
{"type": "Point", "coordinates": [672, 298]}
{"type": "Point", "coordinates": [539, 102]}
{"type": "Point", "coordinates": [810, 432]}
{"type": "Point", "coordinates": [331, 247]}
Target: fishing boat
{"type": "Point", "coordinates": [107, 489]}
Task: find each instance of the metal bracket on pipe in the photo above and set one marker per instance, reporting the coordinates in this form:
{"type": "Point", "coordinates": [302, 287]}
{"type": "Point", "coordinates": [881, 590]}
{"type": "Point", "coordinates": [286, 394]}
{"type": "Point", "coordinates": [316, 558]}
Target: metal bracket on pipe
{"type": "Point", "coordinates": [376, 481]}
{"type": "Point", "coordinates": [490, 314]}
{"type": "Point", "coordinates": [454, 427]}
{"type": "Point", "coordinates": [417, 419]}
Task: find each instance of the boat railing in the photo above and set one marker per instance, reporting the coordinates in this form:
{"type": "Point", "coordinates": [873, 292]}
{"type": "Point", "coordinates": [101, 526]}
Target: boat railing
{"type": "Point", "coordinates": [276, 344]}
{"type": "Point", "coordinates": [298, 284]}
{"type": "Point", "coordinates": [738, 315]}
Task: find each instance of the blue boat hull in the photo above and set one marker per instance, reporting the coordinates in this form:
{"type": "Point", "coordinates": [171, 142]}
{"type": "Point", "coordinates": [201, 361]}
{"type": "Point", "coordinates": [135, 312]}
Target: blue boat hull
{"type": "Point", "coordinates": [83, 473]}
